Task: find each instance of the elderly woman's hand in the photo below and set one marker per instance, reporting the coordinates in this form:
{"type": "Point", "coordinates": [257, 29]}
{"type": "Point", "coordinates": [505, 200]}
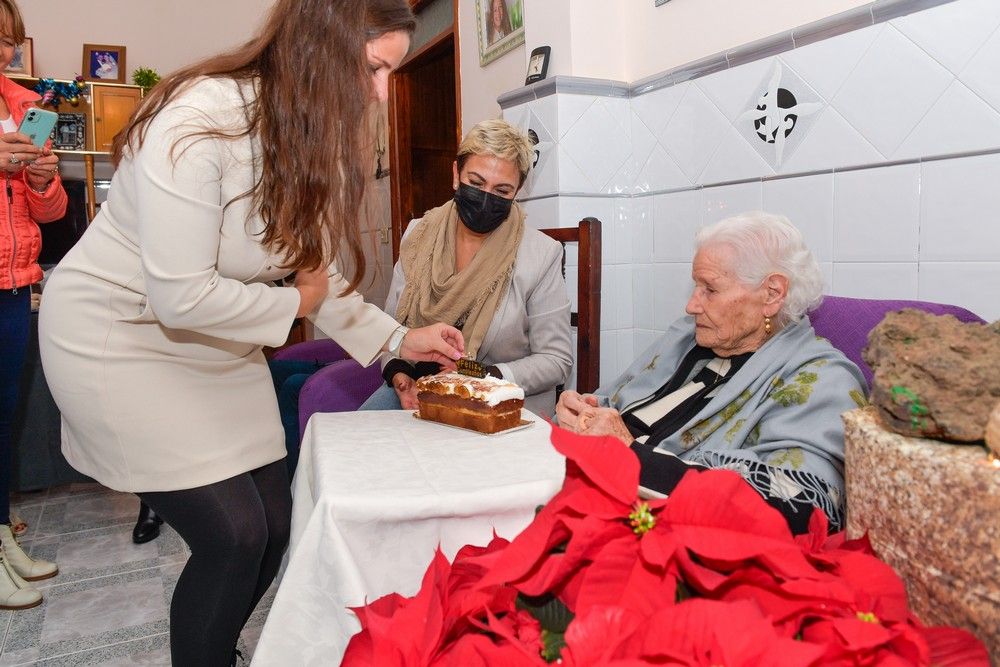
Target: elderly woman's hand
{"type": "Point", "coordinates": [570, 406]}
{"type": "Point", "coordinates": [604, 421]}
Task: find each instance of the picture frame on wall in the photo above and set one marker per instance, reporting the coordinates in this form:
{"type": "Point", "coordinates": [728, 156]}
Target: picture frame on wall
{"type": "Point", "coordinates": [538, 64]}
{"type": "Point", "coordinates": [501, 28]}
{"type": "Point", "coordinates": [103, 63]}
{"type": "Point", "coordinates": [23, 62]}
{"type": "Point", "coordinates": [70, 132]}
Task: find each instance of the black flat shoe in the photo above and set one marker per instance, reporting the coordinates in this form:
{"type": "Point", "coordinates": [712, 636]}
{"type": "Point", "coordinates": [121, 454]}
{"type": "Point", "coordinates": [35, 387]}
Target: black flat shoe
{"type": "Point", "coordinates": [147, 526]}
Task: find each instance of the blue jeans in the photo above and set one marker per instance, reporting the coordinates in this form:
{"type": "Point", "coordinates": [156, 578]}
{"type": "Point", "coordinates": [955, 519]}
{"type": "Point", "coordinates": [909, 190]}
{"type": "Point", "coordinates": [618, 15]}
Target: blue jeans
{"type": "Point", "coordinates": [288, 377]}
{"type": "Point", "coordinates": [384, 398]}
{"type": "Point", "coordinates": [15, 323]}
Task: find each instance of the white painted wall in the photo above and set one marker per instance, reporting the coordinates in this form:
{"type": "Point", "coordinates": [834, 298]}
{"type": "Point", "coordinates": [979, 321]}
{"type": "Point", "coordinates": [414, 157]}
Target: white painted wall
{"type": "Point", "coordinates": [162, 34]}
{"type": "Point", "coordinates": [661, 38]}
{"type": "Point", "coordinates": [482, 85]}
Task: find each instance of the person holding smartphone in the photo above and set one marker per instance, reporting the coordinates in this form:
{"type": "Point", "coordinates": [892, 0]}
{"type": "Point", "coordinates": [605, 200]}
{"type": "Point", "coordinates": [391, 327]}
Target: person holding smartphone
{"type": "Point", "coordinates": [232, 173]}
{"type": "Point", "coordinates": [32, 193]}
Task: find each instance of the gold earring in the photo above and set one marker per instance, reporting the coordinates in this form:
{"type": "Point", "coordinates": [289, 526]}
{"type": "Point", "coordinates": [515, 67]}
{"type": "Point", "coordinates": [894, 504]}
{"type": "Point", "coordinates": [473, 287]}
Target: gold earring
{"type": "Point", "coordinates": [767, 326]}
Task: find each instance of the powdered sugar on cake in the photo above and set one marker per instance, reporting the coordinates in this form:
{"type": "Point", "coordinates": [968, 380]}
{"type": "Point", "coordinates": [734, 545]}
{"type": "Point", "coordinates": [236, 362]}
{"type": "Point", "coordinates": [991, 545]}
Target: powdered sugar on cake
{"type": "Point", "coordinates": [490, 390]}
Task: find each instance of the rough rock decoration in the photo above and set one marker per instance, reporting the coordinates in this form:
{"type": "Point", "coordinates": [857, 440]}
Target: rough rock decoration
{"type": "Point", "coordinates": [935, 377]}
{"type": "Point", "coordinates": [931, 511]}
{"type": "Point", "coordinates": [993, 431]}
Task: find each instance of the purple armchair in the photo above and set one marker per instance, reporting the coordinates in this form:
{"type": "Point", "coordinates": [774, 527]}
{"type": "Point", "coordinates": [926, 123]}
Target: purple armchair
{"type": "Point", "coordinates": [846, 322]}
{"type": "Point", "coordinates": [341, 386]}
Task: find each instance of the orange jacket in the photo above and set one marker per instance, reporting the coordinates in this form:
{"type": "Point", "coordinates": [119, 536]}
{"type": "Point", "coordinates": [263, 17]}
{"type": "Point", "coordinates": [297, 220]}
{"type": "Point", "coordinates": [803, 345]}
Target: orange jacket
{"type": "Point", "coordinates": [21, 208]}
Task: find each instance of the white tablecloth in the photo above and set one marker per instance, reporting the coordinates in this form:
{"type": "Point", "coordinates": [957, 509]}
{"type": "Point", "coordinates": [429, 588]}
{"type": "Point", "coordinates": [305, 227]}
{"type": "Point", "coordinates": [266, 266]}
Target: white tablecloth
{"type": "Point", "coordinates": [373, 496]}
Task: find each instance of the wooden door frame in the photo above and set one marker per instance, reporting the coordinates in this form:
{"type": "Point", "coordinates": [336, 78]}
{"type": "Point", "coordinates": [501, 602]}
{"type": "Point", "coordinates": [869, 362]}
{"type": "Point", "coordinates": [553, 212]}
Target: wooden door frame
{"type": "Point", "coordinates": [399, 116]}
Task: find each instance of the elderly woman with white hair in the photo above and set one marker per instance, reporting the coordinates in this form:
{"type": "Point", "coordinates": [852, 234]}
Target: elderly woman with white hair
{"type": "Point", "coordinates": [742, 382]}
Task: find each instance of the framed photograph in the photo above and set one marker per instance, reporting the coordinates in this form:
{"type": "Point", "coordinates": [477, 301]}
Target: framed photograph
{"type": "Point", "coordinates": [103, 62]}
{"type": "Point", "coordinates": [70, 133]}
{"type": "Point", "coordinates": [23, 62]}
{"type": "Point", "coordinates": [538, 64]}
{"type": "Point", "coordinates": [501, 27]}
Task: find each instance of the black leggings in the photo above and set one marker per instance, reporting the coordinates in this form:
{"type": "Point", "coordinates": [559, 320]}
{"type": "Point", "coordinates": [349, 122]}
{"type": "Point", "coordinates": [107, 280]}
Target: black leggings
{"type": "Point", "coordinates": [237, 530]}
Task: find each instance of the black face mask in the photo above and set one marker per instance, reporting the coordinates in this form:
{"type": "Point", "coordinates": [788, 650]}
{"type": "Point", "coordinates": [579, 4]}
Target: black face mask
{"type": "Point", "coordinates": [481, 211]}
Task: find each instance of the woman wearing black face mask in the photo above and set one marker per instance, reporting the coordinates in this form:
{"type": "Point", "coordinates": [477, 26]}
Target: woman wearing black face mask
{"type": "Point", "coordinates": [473, 262]}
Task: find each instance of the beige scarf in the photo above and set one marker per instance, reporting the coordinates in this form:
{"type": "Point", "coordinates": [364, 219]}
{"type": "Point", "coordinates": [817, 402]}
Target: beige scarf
{"type": "Point", "coordinates": [435, 292]}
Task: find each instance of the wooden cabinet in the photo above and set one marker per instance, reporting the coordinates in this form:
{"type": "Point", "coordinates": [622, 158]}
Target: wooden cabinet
{"type": "Point", "coordinates": [112, 107]}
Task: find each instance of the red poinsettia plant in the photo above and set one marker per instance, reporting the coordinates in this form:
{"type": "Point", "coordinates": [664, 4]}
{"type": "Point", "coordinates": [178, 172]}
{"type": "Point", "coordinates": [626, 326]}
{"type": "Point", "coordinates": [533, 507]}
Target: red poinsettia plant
{"type": "Point", "coordinates": [709, 576]}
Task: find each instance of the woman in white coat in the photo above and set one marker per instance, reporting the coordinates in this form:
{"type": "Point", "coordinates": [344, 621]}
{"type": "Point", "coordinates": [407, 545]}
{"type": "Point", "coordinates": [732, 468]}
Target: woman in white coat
{"type": "Point", "coordinates": [233, 173]}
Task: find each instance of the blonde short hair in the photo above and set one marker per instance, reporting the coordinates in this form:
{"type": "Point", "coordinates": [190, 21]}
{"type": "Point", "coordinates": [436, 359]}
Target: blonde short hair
{"type": "Point", "coordinates": [499, 139]}
{"type": "Point", "coordinates": [11, 21]}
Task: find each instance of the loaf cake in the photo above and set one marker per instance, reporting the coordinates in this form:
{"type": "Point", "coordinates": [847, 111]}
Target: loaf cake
{"type": "Point", "coordinates": [487, 405]}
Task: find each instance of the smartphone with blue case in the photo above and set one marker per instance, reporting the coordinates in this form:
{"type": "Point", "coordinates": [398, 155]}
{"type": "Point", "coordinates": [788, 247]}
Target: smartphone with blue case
{"type": "Point", "coordinates": [37, 125]}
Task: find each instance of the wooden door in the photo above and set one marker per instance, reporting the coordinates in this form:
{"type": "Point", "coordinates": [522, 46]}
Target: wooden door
{"type": "Point", "coordinates": [113, 106]}
{"type": "Point", "coordinates": [423, 138]}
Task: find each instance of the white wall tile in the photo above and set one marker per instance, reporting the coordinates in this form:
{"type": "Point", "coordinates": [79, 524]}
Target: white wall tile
{"type": "Point", "coordinates": [727, 200]}
{"type": "Point", "coordinates": [808, 202]}
{"type": "Point", "coordinates": [574, 209]}
{"type": "Point", "coordinates": [622, 222]}
{"type": "Point", "coordinates": [826, 64]}
{"type": "Point", "coordinates": [642, 289]}
{"type": "Point", "coordinates": [546, 110]}
{"type": "Point", "coordinates": [656, 108]}
{"type": "Point", "coordinates": [693, 132]}
{"type": "Point", "coordinates": [624, 297]}
{"type": "Point", "coordinates": [609, 356]}
{"type": "Point", "coordinates": [734, 160]}
{"type": "Point", "coordinates": [875, 280]}
{"type": "Point", "coordinates": [660, 172]}
{"type": "Point", "coordinates": [643, 143]}
{"type": "Point", "coordinates": [960, 199]}
{"type": "Point", "coordinates": [610, 290]}
{"type": "Point", "coordinates": [959, 121]}
{"type": "Point", "coordinates": [626, 350]}
{"type": "Point", "coordinates": [972, 285]}
{"type": "Point", "coordinates": [735, 90]}
{"type": "Point", "coordinates": [890, 90]}
{"type": "Point", "coordinates": [952, 32]}
{"type": "Point", "coordinates": [572, 280]}
{"type": "Point", "coordinates": [598, 143]}
{"type": "Point", "coordinates": [981, 73]}
{"type": "Point", "coordinates": [826, 268]}
{"type": "Point", "coordinates": [641, 217]}
{"type": "Point", "coordinates": [671, 289]}
{"type": "Point", "coordinates": [571, 176]}
{"type": "Point", "coordinates": [877, 214]}
{"type": "Point", "coordinates": [676, 219]}
{"type": "Point", "coordinates": [570, 109]}
{"type": "Point", "coordinates": [542, 213]}
{"type": "Point", "coordinates": [831, 143]}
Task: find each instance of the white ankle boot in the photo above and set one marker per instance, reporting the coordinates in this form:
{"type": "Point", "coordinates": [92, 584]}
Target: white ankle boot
{"type": "Point", "coordinates": [15, 592]}
{"type": "Point", "coordinates": [25, 566]}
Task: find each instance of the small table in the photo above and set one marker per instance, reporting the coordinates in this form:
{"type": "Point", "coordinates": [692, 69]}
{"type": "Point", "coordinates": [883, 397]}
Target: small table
{"type": "Point", "coordinates": [374, 494]}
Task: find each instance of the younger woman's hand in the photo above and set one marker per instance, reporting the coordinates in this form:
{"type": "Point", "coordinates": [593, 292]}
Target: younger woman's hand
{"type": "Point", "coordinates": [406, 389]}
{"type": "Point", "coordinates": [313, 287]}
{"type": "Point", "coordinates": [16, 152]}
{"type": "Point", "coordinates": [41, 172]}
{"type": "Point", "coordinates": [437, 342]}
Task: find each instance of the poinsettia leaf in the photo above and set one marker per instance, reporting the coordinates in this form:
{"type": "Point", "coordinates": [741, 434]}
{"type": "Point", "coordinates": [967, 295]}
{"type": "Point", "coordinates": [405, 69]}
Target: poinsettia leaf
{"type": "Point", "coordinates": [473, 650]}
{"type": "Point", "coordinates": [717, 515]}
{"type": "Point", "coordinates": [877, 585]}
{"type": "Point", "coordinates": [952, 647]}
{"type": "Point", "coordinates": [618, 577]}
{"type": "Point", "coordinates": [606, 461]}
{"type": "Point", "coordinates": [601, 634]}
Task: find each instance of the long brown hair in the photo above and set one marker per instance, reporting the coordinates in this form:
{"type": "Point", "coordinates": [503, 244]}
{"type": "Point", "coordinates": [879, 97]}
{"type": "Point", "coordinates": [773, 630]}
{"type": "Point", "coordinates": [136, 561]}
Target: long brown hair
{"type": "Point", "coordinates": [314, 91]}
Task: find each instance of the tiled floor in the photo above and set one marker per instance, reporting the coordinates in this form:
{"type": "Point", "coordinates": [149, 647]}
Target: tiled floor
{"type": "Point", "coordinates": [109, 604]}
